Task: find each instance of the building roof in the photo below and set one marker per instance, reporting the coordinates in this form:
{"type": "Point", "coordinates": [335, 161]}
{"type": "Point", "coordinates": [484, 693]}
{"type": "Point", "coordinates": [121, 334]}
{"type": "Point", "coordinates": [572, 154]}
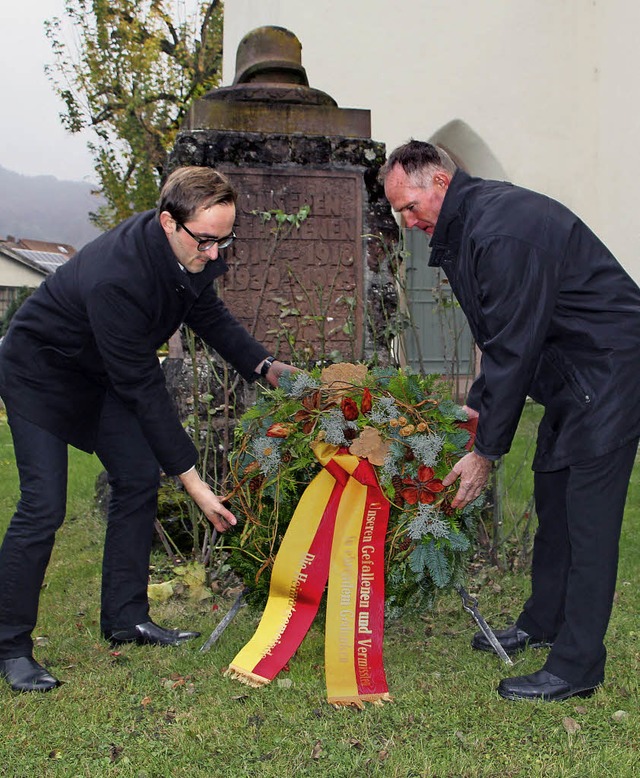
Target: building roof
{"type": "Point", "coordinates": [49, 247]}
{"type": "Point", "coordinates": [40, 255]}
{"type": "Point", "coordinates": [42, 260]}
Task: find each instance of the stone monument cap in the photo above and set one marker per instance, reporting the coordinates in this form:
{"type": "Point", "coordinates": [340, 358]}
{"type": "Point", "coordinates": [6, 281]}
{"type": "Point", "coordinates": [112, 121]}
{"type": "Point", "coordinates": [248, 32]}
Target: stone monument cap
{"type": "Point", "coordinates": [271, 94]}
{"type": "Point", "coordinates": [270, 55]}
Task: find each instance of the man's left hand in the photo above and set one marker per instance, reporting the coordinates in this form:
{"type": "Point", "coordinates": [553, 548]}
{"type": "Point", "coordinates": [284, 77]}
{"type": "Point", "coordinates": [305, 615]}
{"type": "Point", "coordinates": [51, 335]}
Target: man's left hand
{"type": "Point", "coordinates": [277, 369]}
{"type": "Point", "coordinates": [473, 471]}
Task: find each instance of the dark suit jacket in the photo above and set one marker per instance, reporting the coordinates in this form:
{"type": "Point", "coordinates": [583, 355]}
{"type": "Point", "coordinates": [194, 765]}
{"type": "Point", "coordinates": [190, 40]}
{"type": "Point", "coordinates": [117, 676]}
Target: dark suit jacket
{"type": "Point", "coordinates": [555, 316]}
{"type": "Point", "coordinates": [96, 324]}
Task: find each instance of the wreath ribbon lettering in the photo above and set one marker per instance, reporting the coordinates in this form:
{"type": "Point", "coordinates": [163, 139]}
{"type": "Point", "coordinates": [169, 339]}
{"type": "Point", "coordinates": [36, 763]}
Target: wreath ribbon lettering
{"type": "Point", "coordinates": [337, 534]}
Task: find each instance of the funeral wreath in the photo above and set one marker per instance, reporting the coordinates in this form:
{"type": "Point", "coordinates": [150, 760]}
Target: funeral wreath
{"type": "Point", "coordinates": [404, 424]}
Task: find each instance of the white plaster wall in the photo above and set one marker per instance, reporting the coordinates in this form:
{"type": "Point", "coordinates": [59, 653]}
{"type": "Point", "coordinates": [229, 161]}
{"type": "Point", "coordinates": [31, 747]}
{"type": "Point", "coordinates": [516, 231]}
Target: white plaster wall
{"type": "Point", "coordinates": [16, 274]}
{"type": "Point", "coordinates": [616, 175]}
{"type": "Point", "coordinates": [548, 85]}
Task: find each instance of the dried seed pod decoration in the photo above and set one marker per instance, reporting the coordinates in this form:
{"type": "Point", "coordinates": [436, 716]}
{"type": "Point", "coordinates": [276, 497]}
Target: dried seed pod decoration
{"type": "Point", "coordinates": [278, 430]}
{"type": "Point", "coordinates": [366, 403]}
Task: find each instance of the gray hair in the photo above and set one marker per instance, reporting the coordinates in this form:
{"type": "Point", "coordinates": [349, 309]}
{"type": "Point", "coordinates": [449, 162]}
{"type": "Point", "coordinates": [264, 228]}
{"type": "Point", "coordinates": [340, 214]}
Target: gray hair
{"type": "Point", "coordinates": [419, 160]}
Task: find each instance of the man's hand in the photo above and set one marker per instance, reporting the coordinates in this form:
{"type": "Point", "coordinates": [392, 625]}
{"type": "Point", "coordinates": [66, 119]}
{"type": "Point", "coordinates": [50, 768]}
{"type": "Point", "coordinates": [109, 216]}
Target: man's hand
{"type": "Point", "coordinates": [206, 500]}
{"type": "Point", "coordinates": [473, 471]}
{"type": "Point", "coordinates": [471, 413]}
{"type": "Point", "coordinates": [276, 370]}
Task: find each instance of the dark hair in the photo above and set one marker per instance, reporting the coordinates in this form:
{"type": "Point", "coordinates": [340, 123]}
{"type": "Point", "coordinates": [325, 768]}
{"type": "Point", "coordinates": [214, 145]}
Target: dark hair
{"type": "Point", "coordinates": [189, 188]}
{"type": "Point", "coordinates": [417, 158]}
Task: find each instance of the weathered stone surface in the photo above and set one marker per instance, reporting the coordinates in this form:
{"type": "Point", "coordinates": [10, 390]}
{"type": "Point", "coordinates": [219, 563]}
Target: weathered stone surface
{"type": "Point", "coordinates": [274, 118]}
{"type": "Point", "coordinates": [269, 54]}
{"type": "Point", "coordinates": [306, 293]}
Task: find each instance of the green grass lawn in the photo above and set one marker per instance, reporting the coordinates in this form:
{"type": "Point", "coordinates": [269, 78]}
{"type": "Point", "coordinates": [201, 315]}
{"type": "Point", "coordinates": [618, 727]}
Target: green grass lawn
{"type": "Point", "coordinates": [170, 712]}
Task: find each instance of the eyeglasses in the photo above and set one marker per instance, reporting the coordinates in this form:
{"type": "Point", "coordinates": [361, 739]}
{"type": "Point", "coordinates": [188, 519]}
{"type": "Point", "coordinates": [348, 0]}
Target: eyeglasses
{"type": "Point", "coordinates": [204, 244]}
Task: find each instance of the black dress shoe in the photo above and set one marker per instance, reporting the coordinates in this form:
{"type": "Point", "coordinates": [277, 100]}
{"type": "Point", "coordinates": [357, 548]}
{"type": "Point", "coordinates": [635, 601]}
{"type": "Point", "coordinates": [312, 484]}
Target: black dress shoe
{"type": "Point", "coordinates": [150, 634]}
{"type": "Point", "coordinates": [541, 685]}
{"type": "Point", "coordinates": [24, 674]}
{"type": "Point", "coordinates": [512, 639]}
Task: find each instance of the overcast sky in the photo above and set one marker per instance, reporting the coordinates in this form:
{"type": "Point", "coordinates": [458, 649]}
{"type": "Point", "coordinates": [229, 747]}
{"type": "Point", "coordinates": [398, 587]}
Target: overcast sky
{"type": "Point", "coordinates": [32, 139]}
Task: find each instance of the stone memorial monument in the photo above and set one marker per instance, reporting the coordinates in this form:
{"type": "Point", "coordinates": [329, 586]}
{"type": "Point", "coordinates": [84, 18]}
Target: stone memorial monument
{"type": "Point", "coordinates": [308, 273]}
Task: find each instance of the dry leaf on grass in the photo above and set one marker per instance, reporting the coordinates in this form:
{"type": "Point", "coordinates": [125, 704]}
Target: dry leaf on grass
{"type": "Point", "coordinates": [571, 725]}
{"type": "Point", "coordinates": [160, 592]}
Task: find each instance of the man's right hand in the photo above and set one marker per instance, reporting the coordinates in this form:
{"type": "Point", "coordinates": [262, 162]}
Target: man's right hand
{"type": "Point", "coordinates": [473, 471]}
{"type": "Point", "coordinates": [471, 413]}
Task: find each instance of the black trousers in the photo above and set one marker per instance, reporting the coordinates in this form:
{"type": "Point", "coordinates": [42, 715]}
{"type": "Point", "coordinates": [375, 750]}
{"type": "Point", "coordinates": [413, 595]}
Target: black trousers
{"type": "Point", "coordinates": [575, 562]}
{"type": "Point", "coordinates": [42, 460]}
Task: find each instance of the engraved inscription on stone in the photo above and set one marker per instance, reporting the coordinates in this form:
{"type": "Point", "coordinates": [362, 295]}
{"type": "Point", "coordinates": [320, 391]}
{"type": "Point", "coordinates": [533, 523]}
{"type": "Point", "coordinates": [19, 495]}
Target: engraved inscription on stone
{"type": "Point", "coordinates": [302, 295]}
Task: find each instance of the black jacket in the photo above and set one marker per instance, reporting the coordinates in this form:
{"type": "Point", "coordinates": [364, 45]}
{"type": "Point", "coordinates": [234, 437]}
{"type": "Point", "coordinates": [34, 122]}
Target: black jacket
{"type": "Point", "coordinates": [555, 316]}
{"type": "Point", "coordinates": [96, 323]}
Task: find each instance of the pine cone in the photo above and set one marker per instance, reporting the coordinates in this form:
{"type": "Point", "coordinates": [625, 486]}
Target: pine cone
{"type": "Point", "coordinates": [397, 482]}
{"type": "Point", "coordinates": [255, 484]}
{"type": "Point", "coordinates": [446, 508]}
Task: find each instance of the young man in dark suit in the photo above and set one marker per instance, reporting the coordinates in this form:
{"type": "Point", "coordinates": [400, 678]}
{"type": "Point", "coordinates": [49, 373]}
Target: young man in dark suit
{"type": "Point", "coordinates": [78, 367]}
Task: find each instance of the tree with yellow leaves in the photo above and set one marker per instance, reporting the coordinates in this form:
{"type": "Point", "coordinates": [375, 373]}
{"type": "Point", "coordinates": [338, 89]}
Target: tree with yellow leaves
{"type": "Point", "coordinates": [128, 70]}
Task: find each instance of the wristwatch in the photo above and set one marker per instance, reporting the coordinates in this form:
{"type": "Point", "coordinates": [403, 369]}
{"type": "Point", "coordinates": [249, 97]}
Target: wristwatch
{"type": "Point", "coordinates": [266, 365]}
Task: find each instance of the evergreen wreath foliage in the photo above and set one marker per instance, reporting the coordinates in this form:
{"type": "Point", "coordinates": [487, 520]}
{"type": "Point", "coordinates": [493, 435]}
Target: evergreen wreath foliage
{"type": "Point", "coordinates": [405, 424]}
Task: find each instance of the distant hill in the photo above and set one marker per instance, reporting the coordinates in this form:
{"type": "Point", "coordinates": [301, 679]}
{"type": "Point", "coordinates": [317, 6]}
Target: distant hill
{"type": "Point", "coordinates": [45, 208]}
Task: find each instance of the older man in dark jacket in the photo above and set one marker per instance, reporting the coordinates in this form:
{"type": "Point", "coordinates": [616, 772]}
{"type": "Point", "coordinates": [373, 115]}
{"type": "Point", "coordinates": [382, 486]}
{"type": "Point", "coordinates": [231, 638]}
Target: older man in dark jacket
{"type": "Point", "coordinates": [558, 319]}
{"type": "Point", "coordinates": [78, 366]}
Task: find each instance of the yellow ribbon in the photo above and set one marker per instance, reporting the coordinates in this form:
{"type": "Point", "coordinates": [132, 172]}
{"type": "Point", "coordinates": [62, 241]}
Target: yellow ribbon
{"type": "Point", "coordinates": [337, 533]}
